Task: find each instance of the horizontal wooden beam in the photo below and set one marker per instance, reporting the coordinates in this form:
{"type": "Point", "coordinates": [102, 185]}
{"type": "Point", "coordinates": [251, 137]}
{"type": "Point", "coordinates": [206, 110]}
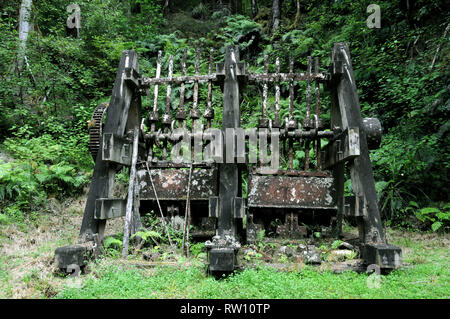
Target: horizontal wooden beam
{"type": "Point", "coordinates": [116, 149]}
{"type": "Point", "coordinates": [132, 77]}
{"type": "Point", "coordinates": [344, 148]}
{"type": "Point", "coordinates": [180, 79]}
{"type": "Point", "coordinates": [285, 77]}
{"type": "Point", "coordinates": [107, 208]}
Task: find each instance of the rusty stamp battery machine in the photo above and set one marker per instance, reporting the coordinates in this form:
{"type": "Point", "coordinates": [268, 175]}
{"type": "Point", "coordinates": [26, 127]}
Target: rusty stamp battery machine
{"type": "Point", "coordinates": [185, 169]}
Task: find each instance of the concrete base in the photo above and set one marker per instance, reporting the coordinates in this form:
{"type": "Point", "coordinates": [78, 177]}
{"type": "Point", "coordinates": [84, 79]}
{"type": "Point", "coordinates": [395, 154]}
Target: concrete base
{"type": "Point", "coordinates": [221, 260]}
{"type": "Point", "coordinates": [72, 254]}
{"type": "Point", "coordinates": [384, 255]}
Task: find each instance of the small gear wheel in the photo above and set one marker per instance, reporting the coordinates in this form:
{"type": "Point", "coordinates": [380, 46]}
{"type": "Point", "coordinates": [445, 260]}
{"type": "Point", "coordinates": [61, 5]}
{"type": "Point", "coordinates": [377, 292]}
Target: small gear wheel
{"type": "Point", "coordinates": [95, 125]}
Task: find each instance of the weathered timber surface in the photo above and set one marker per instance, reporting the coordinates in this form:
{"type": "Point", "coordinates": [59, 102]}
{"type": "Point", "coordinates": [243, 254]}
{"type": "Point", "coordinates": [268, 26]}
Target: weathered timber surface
{"type": "Point", "coordinates": [116, 121]}
{"type": "Point", "coordinates": [361, 170]}
{"type": "Point", "coordinates": [229, 177]}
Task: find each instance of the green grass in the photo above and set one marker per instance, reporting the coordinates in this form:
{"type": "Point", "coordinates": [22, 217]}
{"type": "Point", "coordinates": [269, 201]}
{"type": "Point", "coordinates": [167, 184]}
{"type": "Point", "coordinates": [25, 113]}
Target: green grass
{"type": "Point", "coordinates": [427, 277]}
{"type": "Point", "coordinates": [27, 271]}
{"type": "Point", "coordinates": [422, 281]}
{"type": "Point", "coordinates": [425, 274]}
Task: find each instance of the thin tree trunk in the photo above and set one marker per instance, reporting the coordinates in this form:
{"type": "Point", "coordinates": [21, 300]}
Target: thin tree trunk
{"type": "Point", "coordinates": [297, 14]}
{"type": "Point", "coordinates": [254, 9]}
{"type": "Point", "coordinates": [439, 46]}
{"type": "Point", "coordinates": [276, 13]}
{"type": "Point", "coordinates": [166, 7]}
{"type": "Point", "coordinates": [24, 29]}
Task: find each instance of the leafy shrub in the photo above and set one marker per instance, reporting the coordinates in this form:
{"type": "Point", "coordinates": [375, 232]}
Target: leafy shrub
{"type": "Point", "coordinates": [148, 236]}
{"type": "Point", "coordinates": [432, 217]}
{"type": "Point", "coordinates": [112, 243]}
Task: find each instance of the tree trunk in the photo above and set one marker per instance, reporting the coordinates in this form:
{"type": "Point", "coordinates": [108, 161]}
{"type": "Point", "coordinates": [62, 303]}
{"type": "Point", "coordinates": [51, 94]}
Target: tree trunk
{"type": "Point", "coordinates": [24, 29]}
{"type": "Point", "coordinates": [166, 8]}
{"type": "Point", "coordinates": [254, 9]}
{"type": "Point", "coordinates": [276, 13]}
{"type": "Point", "coordinates": [297, 14]}
{"type": "Point", "coordinates": [439, 46]}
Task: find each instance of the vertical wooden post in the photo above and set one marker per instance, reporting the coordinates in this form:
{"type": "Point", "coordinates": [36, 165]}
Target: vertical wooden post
{"type": "Point", "coordinates": [122, 114]}
{"type": "Point", "coordinates": [229, 177]}
{"type": "Point", "coordinates": [363, 182]}
{"type": "Point", "coordinates": [130, 198]}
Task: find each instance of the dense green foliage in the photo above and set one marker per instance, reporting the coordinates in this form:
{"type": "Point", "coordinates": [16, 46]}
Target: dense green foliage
{"type": "Point", "coordinates": [45, 106]}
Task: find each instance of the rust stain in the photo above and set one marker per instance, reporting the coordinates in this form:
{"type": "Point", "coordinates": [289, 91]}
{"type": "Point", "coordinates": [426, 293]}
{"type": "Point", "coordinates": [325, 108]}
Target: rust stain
{"type": "Point", "coordinates": [291, 192]}
{"type": "Point", "coordinates": [171, 184]}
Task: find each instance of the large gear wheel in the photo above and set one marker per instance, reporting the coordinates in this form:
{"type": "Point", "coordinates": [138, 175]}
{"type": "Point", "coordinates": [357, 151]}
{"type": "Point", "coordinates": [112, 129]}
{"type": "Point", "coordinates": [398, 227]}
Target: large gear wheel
{"type": "Point", "coordinates": [95, 126]}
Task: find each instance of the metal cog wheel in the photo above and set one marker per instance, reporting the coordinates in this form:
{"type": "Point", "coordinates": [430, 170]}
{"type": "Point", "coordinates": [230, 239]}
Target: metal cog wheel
{"type": "Point", "coordinates": [95, 125]}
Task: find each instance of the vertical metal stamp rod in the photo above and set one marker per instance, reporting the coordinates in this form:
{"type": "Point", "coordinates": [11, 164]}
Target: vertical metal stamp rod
{"type": "Point", "coordinates": [195, 97]}
{"type": "Point", "coordinates": [316, 71]}
{"type": "Point", "coordinates": [264, 102]}
{"type": "Point", "coordinates": [155, 106]}
{"type": "Point", "coordinates": [277, 91]}
{"type": "Point", "coordinates": [291, 90]}
{"type": "Point", "coordinates": [183, 73]}
{"type": "Point", "coordinates": [291, 112]}
{"type": "Point", "coordinates": [158, 73]}
{"type": "Point", "coordinates": [308, 92]}
{"type": "Point", "coordinates": [194, 111]}
{"type": "Point", "coordinates": [166, 119]}
{"type": "Point", "coordinates": [318, 120]}
{"type": "Point", "coordinates": [159, 205]}
{"type": "Point", "coordinates": [209, 105]}
{"type": "Point", "coordinates": [169, 86]}
{"type": "Point", "coordinates": [187, 217]}
{"type": "Point", "coordinates": [308, 112]}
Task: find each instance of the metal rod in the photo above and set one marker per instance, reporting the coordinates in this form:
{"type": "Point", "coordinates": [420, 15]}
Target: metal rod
{"type": "Point", "coordinates": [291, 112]}
{"type": "Point", "coordinates": [308, 92]}
{"type": "Point", "coordinates": [277, 92]}
{"type": "Point", "coordinates": [159, 205]}
{"type": "Point", "coordinates": [183, 73]}
{"type": "Point", "coordinates": [266, 71]}
{"type": "Point", "coordinates": [209, 105]}
{"type": "Point", "coordinates": [158, 73]}
{"type": "Point", "coordinates": [187, 215]}
{"type": "Point", "coordinates": [195, 97]}
{"type": "Point", "coordinates": [318, 120]}
{"type": "Point", "coordinates": [169, 86]}
{"type": "Point", "coordinates": [308, 111]}
{"type": "Point", "coordinates": [316, 70]}
{"type": "Point", "coordinates": [291, 90]}
{"type": "Point", "coordinates": [166, 118]}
